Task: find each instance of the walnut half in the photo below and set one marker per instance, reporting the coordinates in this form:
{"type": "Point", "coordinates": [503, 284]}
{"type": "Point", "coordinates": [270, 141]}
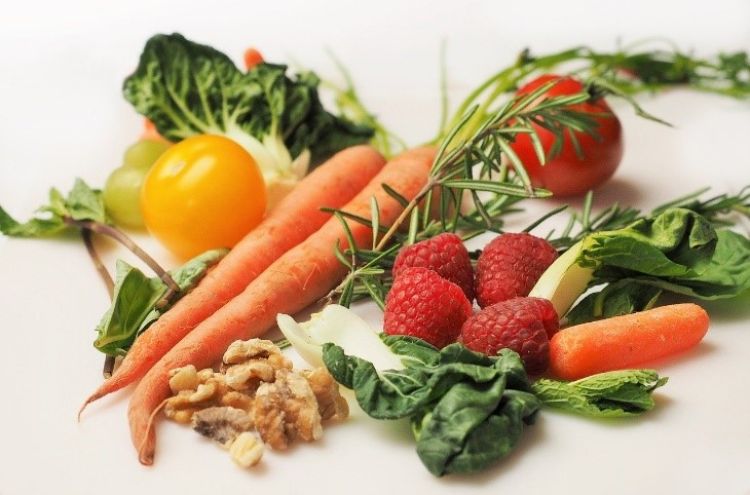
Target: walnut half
{"type": "Point", "coordinates": [222, 424]}
{"type": "Point", "coordinates": [287, 409]}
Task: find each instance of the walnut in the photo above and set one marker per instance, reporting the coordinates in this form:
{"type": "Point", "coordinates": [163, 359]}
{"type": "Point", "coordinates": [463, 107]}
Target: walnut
{"type": "Point", "coordinates": [249, 363]}
{"type": "Point", "coordinates": [287, 409]}
{"type": "Point", "coordinates": [238, 400]}
{"type": "Point", "coordinates": [247, 376]}
{"type": "Point", "coordinates": [209, 389]}
{"type": "Point", "coordinates": [240, 351]}
{"type": "Point", "coordinates": [223, 424]}
{"type": "Point", "coordinates": [185, 378]}
{"type": "Point", "coordinates": [330, 402]}
{"type": "Point", "coordinates": [246, 450]}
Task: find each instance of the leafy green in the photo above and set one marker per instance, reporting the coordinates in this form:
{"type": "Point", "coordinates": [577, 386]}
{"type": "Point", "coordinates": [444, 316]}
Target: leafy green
{"type": "Point", "coordinates": [187, 88]}
{"type": "Point", "coordinates": [674, 243]}
{"type": "Point", "coordinates": [618, 298]}
{"type": "Point", "coordinates": [467, 409]}
{"type": "Point", "coordinates": [137, 301]}
{"type": "Point", "coordinates": [81, 204]}
{"type": "Point", "coordinates": [614, 394]}
{"type": "Point", "coordinates": [676, 250]}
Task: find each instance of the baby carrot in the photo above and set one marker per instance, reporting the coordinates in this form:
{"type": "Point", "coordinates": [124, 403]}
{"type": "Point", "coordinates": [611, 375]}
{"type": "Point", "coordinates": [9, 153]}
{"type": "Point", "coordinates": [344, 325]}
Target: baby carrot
{"type": "Point", "coordinates": [297, 216]}
{"type": "Point", "coordinates": [300, 277]}
{"type": "Point", "coordinates": [626, 341]}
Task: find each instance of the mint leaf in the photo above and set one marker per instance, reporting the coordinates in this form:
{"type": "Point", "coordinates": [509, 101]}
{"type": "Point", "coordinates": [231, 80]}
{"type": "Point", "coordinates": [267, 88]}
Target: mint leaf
{"type": "Point", "coordinates": [82, 204]}
{"type": "Point", "coordinates": [614, 394]}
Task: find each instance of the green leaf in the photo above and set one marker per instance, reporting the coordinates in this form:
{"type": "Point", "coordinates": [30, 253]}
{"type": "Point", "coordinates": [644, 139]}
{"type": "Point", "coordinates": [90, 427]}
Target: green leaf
{"type": "Point", "coordinates": [135, 300]}
{"type": "Point", "coordinates": [467, 409]}
{"type": "Point", "coordinates": [614, 394]}
{"type": "Point", "coordinates": [187, 88]}
{"type": "Point", "coordinates": [82, 203]}
{"type": "Point", "coordinates": [619, 298]}
{"type": "Point", "coordinates": [674, 243]}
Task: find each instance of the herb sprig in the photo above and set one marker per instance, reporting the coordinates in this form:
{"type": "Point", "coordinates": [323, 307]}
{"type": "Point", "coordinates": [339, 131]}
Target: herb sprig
{"type": "Point", "coordinates": [476, 163]}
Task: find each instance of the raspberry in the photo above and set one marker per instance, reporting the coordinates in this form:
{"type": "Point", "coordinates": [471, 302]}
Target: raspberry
{"type": "Point", "coordinates": [423, 304]}
{"type": "Point", "coordinates": [510, 265]}
{"type": "Point", "coordinates": [444, 254]}
{"type": "Point", "coordinates": [523, 324]}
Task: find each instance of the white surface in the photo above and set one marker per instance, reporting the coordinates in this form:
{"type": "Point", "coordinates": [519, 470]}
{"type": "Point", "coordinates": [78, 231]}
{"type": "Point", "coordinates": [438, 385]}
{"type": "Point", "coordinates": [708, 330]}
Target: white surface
{"type": "Point", "coordinates": [62, 116]}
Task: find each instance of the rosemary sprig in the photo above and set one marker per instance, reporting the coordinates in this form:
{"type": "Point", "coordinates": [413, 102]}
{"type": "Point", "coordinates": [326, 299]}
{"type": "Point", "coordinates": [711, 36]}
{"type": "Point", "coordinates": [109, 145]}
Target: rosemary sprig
{"type": "Point", "coordinates": [645, 66]}
{"type": "Point", "coordinates": [475, 162]}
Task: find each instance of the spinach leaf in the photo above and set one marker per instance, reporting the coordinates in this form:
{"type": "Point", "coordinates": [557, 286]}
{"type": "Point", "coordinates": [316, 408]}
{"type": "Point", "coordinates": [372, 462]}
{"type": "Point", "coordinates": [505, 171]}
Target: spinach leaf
{"type": "Point", "coordinates": [467, 409]}
{"type": "Point", "coordinates": [618, 298]}
{"type": "Point", "coordinates": [614, 394]}
{"type": "Point", "coordinates": [81, 204]}
{"type": "Point", "coordinates": [677, 250]}
{"type": "Point", "coordinates": [674, 243]}
{"type": "Point", "coordinates": [136, 301]}
{"type": "Point", "coordinates": [187, 88]}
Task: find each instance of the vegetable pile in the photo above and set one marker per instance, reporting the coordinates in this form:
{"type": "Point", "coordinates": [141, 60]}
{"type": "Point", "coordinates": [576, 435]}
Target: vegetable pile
{"type": "Point", "coordinates": [222, 151]}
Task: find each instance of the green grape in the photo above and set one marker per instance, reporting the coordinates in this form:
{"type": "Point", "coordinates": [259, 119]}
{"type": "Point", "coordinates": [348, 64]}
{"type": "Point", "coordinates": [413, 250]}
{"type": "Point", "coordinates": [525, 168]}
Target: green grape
{"type": "Point", "coordinates": [144, 153]}
{"type": "Point", "coordinates": [122, 194]}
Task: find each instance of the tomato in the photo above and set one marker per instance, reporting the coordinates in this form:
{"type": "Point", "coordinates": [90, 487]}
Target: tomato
{"type": "Point", "coordinates": [568, 174]}
{"type": "Point", "coordinates": [204, 192]}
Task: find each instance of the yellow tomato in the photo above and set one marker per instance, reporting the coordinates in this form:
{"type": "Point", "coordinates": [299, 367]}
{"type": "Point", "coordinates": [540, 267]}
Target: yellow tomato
{"type": "Point", "coordinates": [204, 192]}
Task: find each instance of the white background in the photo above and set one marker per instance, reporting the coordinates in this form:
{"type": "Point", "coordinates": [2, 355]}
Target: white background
{"type": "Point", "coordinates": [61, 116]}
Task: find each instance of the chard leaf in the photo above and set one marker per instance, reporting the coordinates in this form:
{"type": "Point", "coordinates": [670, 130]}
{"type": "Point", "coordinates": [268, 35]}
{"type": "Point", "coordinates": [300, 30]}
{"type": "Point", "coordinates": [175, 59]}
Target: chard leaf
{"type": "Point", "coordinates": [467, 409]}
{"type": "Point", "coordinates": [135, 300]}
{"type": "Point", "coordinates": [82, 203]}
{"type": "Point", "coordinates": [614, 394]}
{"type": "Point", "coordinates": [187, 88]}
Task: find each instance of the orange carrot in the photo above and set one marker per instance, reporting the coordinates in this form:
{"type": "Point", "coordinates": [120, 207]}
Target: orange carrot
{"type": "Point", "coordinates": [626, 341]}
{"type": "Point", "coordinates": [252, 57]}
{"type": "Point", "coordinates": [300, 277]}
{"type": "Point", "coordinates": [151, 133]}
{"type": "Point", "coordinates": [297, 216]}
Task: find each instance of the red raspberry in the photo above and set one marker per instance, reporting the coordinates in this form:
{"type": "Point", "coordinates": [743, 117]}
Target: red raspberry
{"type": "Point", "coordinates": [444, 254]}
{"type": "Point", "coordinates": [523, 324]}
{"type": "Point", "coordinates": [510, 265]}
{"type": "Point", "coordinates": [423, 304]}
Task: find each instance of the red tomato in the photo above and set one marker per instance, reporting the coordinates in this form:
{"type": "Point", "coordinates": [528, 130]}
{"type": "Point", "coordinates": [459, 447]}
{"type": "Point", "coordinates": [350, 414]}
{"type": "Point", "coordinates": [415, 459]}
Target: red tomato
{"type": "Point", "coordinates": [568, 174]}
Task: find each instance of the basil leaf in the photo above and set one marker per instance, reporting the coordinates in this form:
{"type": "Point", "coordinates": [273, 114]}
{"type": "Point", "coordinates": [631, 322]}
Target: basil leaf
{"type": "Point", "coordinates": [134, 297]}
{"type": "Point", "coordinates": [134, 302]}
{"type": "Point", "coordinates": [82, 203]}
{"type": "Point", "coordinates": [614, 394]}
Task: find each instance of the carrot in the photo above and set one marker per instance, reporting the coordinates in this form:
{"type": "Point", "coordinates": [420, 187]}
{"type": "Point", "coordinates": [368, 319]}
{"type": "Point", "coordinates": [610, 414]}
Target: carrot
{"type": "Point", "coordinates": [626, 341]}
{"type": "Point", "coordinates": [300, 277]}
{"type": "Point", "coordinates": [151, 133]}
{"type": "Point", "coordinates": [252, 57]}
{"type": "Point", "coordinates": [297, 216]}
